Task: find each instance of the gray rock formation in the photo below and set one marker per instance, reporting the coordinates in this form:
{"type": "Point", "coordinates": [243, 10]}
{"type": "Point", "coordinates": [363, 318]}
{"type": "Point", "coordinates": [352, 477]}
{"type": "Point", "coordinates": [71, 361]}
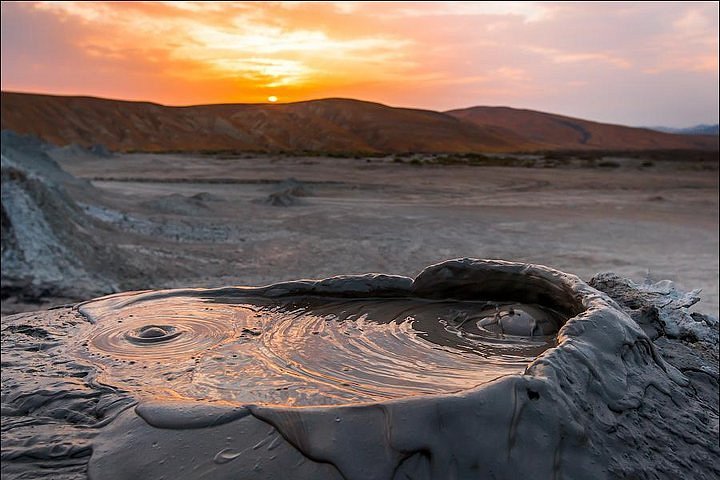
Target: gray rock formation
{"type": "Point", "coordinates": [47, 243]}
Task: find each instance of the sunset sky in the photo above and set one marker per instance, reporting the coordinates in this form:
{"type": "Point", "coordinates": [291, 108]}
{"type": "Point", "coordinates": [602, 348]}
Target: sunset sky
{"type": "Point", "coordinates": [629, 63]}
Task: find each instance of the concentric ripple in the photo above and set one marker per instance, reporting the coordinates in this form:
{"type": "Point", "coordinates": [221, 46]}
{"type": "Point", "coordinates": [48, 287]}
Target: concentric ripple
{"type": "Point", "coordinates": [172, 330]}
{"type": "Point", "coordinates": [310, 350]}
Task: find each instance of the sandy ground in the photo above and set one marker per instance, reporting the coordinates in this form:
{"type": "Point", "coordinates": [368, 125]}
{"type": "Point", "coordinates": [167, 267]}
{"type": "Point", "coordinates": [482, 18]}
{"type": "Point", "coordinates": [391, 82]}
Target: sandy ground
{"type": "Point", "coordinates": [377, 215]}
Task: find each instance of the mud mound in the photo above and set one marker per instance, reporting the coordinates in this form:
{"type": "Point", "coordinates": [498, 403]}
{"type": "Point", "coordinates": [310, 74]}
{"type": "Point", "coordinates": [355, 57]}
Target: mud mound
{"type": "Point", "coordinates": [100, 150]}
{"type": "Point", "coordinates": [47, 247]}
{"type": "Point", "coordinates": [208, 197]}
{"type": "Point", "coordinates": [295, 188]}
{"type": "Point", "coordinates": [178, 204]}
{"type": "Point", "coordinates": [31, 155]}
{"type": "Point", "coordinates": [75, 151]}
{"type": "Point", "coordinates": [660, 308]}
{"type": "Point", "coordinates": [356, 377]}
{"type": "Point", "coordinates": [284, 198]}
{"type": "Point", "coordinates": [72, 150]}
{"type": "Point", "coordinates": [289, 193]}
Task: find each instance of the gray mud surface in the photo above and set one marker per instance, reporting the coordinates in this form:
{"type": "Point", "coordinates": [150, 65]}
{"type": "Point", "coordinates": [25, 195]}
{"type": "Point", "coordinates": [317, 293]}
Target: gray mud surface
{"type": "Point", "coordinates": [116, 388]}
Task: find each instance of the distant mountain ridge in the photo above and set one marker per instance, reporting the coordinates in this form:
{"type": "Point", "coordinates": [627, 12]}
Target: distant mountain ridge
{"type": "Point", "coordinates": [327, 126]}
{"type": "Point", "coordinates": [696, 130]}
{"type": "Point", "coordinates": [558, 132]}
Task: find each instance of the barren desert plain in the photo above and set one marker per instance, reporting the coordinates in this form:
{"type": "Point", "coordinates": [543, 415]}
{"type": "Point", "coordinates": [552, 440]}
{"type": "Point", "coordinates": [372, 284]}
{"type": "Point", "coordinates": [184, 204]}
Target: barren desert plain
{"type": "Point", "coordinates": [253, 219]}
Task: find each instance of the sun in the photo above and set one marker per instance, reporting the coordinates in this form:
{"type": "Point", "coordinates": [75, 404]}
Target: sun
{"type": "Point", "coordinates": [272, 99]}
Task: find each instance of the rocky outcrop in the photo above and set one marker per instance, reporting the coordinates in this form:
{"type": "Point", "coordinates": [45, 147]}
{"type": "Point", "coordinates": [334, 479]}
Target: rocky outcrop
{"type": "Point", "coordinates": [48, 246]}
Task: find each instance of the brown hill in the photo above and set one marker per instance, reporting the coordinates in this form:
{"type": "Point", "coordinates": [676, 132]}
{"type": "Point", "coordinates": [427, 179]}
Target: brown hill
{"type": "Point", "coordinates": [332, 125]}
{"type": "Point", "coordinates": [557, 132]}
{"type": "Point", "coordinates": [329, 125]}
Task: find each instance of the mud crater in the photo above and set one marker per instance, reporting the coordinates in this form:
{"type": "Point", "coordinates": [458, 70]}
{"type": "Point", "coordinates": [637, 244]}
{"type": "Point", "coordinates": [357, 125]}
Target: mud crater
{"type": "Point", "coordinates": [308, 349]}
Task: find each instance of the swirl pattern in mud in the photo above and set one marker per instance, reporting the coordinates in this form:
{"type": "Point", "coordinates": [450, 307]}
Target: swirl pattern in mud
{"type": "Point", "coordinates": [310, 350]}
{"type": "Point", "coordinates": [166, 334]}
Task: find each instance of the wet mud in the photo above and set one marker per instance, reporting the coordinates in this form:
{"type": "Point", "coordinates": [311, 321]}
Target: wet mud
{"type": "Point", "coordinates": [309, 350]}
{"type": "Point", "coordinates": [474, 369]}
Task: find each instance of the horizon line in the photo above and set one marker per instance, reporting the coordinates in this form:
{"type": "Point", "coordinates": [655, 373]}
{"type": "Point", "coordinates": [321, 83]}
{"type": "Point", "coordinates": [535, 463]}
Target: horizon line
{"type": "Point", "coordinates": [269, 104]}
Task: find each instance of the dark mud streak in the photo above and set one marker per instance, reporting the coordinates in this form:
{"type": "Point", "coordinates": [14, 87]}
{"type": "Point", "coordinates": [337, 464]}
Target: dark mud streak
{"type": "Point", "coordinates": [584, 134]}
{"type": "Point", "coordinates": [557, 458]}
{"type": "Point", "coordinates": [518, 406]}
{"type": "Point", "coordinates": [422, 454]}
{"type": "Point", "coordinates": [293, 441]}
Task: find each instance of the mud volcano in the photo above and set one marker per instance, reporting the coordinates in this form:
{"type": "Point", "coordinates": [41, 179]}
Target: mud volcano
{"type": "Point", "coordinates": [474, 369]}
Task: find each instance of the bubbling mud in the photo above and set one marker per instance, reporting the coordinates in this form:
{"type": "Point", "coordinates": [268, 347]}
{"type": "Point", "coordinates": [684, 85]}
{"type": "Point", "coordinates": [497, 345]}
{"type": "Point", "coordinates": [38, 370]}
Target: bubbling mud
{"type": "Point", "coordinates": [162, 334]}
{"type": "Point", "coordinates": [152, 334]}
{"type": "Point", "coordinates": [305, 350]}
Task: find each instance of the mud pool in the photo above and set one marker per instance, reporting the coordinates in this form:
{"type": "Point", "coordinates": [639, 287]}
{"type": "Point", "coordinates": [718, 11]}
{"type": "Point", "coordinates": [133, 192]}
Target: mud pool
{"type": "Point", "coordinates": [309, 350]}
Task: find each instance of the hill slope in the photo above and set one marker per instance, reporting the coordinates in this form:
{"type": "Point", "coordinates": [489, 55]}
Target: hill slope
{"type": "Point", "coordinates": [332, 125]}
{"type": "Point", "coordinates": [696, 130]}
{"type": "Point", "coordinates": [329, 125]}
{"type": "Point", "coordinates": [557, 132]}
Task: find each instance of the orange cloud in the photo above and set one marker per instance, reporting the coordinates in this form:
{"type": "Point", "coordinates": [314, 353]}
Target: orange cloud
{"type": "Point", "coordinates": [237, 43]}
{"type": "Point", "coordinates": [436, 55]}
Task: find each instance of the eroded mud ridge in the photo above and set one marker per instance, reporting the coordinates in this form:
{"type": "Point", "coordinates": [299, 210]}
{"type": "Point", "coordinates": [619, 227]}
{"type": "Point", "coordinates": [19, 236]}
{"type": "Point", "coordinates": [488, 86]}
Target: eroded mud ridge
{"type": "Point", "coordinates": [310, 350]}
{"type": "Point", "coordinates": [474, 369]}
